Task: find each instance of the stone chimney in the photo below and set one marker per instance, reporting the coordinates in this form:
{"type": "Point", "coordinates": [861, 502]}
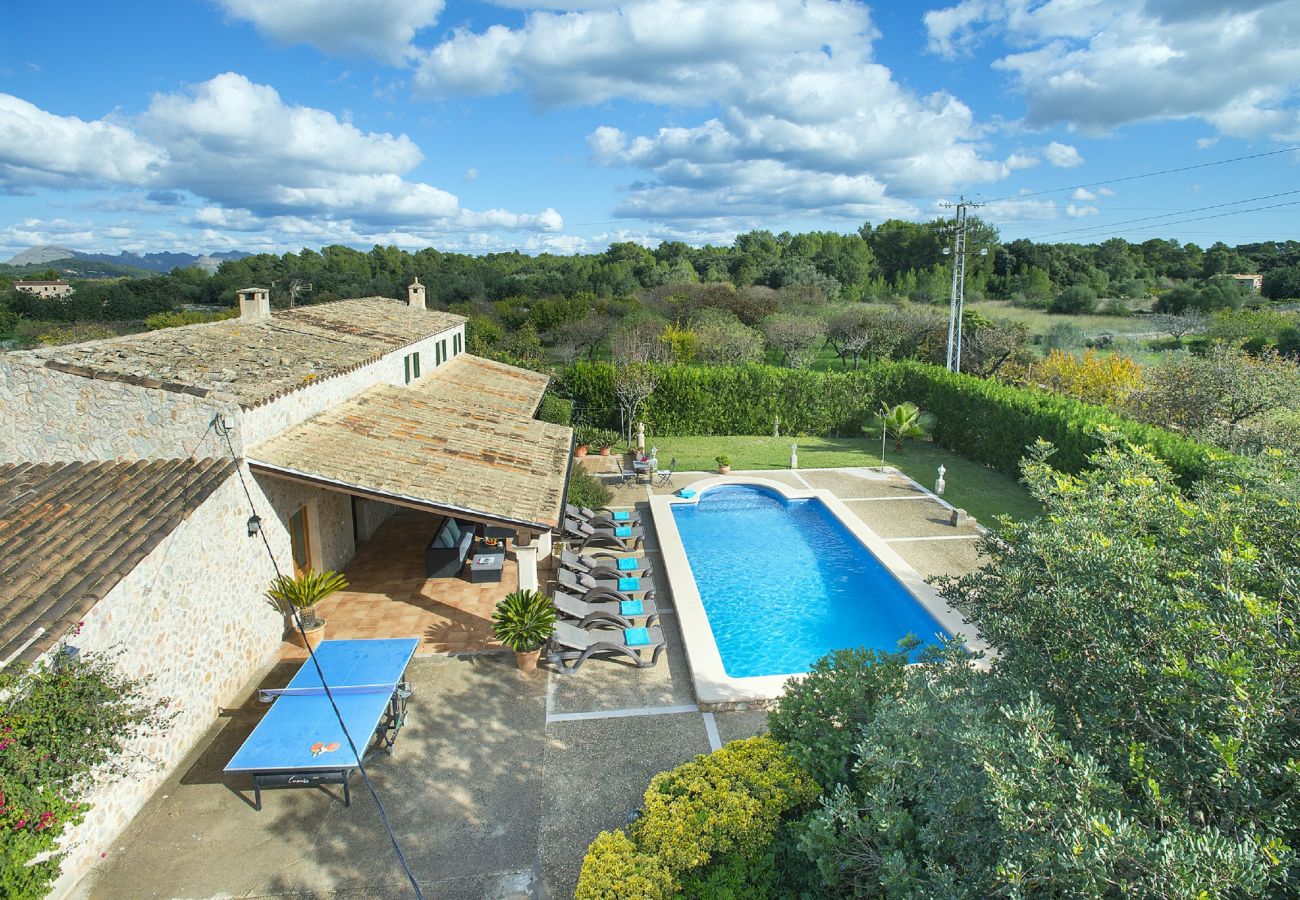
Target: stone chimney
{"type": "Point", "coordinates": [415, 295]}
{"type": "Point", "coordinates": [254, 304]}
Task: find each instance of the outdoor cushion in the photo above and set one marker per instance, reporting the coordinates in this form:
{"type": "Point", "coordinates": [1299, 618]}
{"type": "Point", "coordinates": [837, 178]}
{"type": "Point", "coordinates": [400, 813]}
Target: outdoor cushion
{"type": "Point", "coordinates": [627, 564]}
{"type": "Point", "coordinates": [636, 637]}
{"type": "Point", "coordinates": [686, 493]}
{"type": "Point", "coordinates": [587, 581]}
{"type": "Point", "coordinates": [630, 607]}
{"type": "Point", "coordinates": [622, 516]}
{"type": "Point", "coordinates": [629, 584]}
{"type": "Point", "coordinates": [623, 531]}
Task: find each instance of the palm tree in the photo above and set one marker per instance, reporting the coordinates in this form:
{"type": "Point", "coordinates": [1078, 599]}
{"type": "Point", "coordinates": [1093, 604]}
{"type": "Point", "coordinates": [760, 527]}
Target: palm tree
{"type": "Point", "coordinates": [304, 590]}
{"type": "Point", "coordinates": [904, 421]}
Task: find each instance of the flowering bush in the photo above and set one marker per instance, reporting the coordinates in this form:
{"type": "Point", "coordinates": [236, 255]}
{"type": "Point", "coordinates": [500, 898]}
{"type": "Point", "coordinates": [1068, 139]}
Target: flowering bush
{"type": "Point", "coordinates": [63, 727]}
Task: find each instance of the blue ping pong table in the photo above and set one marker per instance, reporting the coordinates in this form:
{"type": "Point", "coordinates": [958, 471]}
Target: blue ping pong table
{"type": "Point", "coordinates": [299, 742]}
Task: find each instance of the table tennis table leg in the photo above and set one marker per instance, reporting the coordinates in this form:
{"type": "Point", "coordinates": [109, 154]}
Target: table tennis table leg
{"type": "Point", "coordinates": [257, 793]}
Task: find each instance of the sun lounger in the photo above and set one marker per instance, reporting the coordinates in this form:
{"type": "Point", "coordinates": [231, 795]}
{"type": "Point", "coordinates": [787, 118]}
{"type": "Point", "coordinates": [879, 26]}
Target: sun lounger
{"type": "Point", "coordinates": [630, 584]}
{"type": "Point", "coordinates": [625, 537]}
{"type": "Point", "coordinates": [573, 645]}
{"type": "Point", "coordinates": [613, 613]}
{"type": "Point", "coordinates": [603, 564]}
{"type": "Point", "coordinates": [602, 517]}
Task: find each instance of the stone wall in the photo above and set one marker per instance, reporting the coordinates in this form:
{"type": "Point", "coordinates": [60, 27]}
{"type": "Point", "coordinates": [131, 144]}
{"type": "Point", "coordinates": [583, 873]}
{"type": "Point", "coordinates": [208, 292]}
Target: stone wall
{"type": "Point", "coordinates": [49, 416]}
{"type": "Point", "coordinates": [192, 618]}
{"type": "Point", "coordinates": [329, 520]}
{"type": "Point", "coordinates": [269, 419]}
{"type": "Point", "coordinates": [370, 515]}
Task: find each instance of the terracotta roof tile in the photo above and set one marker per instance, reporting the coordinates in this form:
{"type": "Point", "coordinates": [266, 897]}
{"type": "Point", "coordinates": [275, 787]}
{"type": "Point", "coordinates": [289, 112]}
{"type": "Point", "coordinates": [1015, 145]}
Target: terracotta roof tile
{"type": "Point", "coordinates": [252, 362]}
{"type": "Point", "coordinates": [462, 438]}
{"type": "Point", "coordinates": [69, 532]}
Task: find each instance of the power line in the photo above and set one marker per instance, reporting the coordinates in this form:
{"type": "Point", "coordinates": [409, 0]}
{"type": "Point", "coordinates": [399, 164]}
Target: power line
{"type": "Point", "coordinates": [297, 622]}
{"type": "Point", "coordinates": [1171, 215]}
{"type": "Point", "coordinates": [1091, 184]}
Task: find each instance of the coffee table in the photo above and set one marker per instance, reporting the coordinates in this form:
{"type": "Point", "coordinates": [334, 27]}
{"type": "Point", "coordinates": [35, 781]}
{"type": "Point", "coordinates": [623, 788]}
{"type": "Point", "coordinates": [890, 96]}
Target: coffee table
{"type": "Point", "coordinates": [485, 565]}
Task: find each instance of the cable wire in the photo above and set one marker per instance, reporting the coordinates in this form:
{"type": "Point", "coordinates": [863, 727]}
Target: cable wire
{"type": "Point", "coordinates": [1181, 212]}
{"type": "Point", "coordinates": [1075, 187]}
{"type": "Point", "coordinates": [365, 777]}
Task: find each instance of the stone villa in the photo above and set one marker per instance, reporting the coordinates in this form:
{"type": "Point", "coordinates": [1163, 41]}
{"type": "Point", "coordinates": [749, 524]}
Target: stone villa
{"type": "Point", "coordinates": [53, 290]}
{"type": "Point", "coordinates": [139, 476]}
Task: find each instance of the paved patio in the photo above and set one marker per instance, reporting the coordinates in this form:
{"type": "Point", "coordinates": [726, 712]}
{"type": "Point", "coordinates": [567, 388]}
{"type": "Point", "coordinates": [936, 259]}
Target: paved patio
{"type": "Point", "coordinates": [500, 780]}
{"type": "Point", "coordinates": [390, 596]}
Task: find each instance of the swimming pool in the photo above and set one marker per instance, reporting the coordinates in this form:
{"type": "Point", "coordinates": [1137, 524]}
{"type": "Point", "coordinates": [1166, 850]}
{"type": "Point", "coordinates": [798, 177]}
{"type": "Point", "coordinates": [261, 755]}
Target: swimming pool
{"type": "Point", "coordinates": [783, 582]}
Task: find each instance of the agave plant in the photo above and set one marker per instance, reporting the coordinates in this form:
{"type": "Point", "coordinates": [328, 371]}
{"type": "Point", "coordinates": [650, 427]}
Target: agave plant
{"type": "Point", "coordinates": [303, 591]}
{"type": "Point", "coordinates": [904, 421]}
{"type": "Point", "coordinates": [524, 620]}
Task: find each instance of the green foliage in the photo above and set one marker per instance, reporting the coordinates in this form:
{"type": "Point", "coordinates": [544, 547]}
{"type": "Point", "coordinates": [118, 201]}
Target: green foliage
{"type": "Point", "coordinates": [586, 489]}
{"type": "Point", "coordinates": [8, 321]}
{"type": "Point", "coordinates": [1073, 300]}
{"type": "Point", "coordinates": [304, 590]}
{"type": "Point", "coordinates": [1135, 733]}
{"type": "Point", "coordinates": [707, 829]}
{"type": "Point", "coordinates": [904, 421]}
{"type": "Point", "coordinates": [586, 435]}
{"type": "Point", "coordinates": [1283, 283]}
{"type": "Point", "coordinates": [555, 409]}
{"type": "Point", "coordinates": [983, 420]}
{"type": "Point", "coordinates": [63, 727]}
{"type": "Point", "coordinates": [820, 716]}
{"type": "Point", "coordinates": [523, 620]}
{"type": "Point", "coordinates": [186, 317]}
{"type": "Point", "coordinates": [604, 438]}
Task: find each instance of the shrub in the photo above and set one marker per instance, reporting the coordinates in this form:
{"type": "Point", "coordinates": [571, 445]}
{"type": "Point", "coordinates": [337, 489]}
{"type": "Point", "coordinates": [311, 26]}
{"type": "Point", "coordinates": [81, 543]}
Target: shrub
{"type": "Point", "coordinates": [707, 830]}
{"type": "Point", "coordinates": [555, 409]}
{"type": "Point", "coordinates": [523, 620]}
{"type": "Point", "coordinates": [820, 716]}
{"type": "Point", "coordinates": [1073, 300]}
{"type": "Point", "coordinates": [62, 727]}
{"type": "Point", "coordinates": [586, 489]}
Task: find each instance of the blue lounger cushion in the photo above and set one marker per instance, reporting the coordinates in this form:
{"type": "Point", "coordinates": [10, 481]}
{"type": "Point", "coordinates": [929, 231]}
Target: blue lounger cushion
{"type": "Point", "coordinates": [629, 584]}
{"type": "Point", "coordinates": [623, 531]}
{"type": "Point", "coordinates": [631, 608]}
{"type": "Point", "coordinates": [622, 516]}
{"type": "Point", "coordinates": [627, 564]}
{"type": "Point", "coordinates": [636, 637]}
{"type": "Point", "coordinates": [686, 493]}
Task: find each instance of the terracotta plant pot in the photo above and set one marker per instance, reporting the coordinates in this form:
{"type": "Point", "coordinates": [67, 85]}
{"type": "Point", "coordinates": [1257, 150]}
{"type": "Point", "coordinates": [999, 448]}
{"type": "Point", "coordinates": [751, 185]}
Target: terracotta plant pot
{"type": "Point", "coordinates": [527, 661]}
{"type": "Point", "coordinates": [724, 470]}
{"type": "Point", "coordinates": [604, 451]}
{"type": "Point", "coordinates": [580, 451]}
{"type": "Point", "coordinates": [312, 636]}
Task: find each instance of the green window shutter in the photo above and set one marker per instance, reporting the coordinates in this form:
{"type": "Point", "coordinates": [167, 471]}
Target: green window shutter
{"type": "Point", "coordinates": [406, 367]}
{"type": "Point", "coordinates": [417, 364]}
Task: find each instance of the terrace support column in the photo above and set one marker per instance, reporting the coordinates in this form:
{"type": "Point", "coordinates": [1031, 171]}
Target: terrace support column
{"type": "Point", "coordinates": [527, 552]}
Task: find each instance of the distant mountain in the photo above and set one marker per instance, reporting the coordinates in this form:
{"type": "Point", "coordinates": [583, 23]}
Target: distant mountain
{"type": "Point", "coordinates": [34, 256]}
{"type": "Point", "coordinates": [153, 262]}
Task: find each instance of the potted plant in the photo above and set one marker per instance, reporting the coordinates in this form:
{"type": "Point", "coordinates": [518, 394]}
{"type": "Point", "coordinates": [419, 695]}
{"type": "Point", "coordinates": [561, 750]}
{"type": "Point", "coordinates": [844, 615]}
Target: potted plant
{"type": "Point", "coordinates": [582, 437]}
{"type": "Point", "coordinates": [724, 463]}
{"type": "Point", "coordinates": [605, 439]}
{"type": "Point", "coordinates": [302, 592]}
{"type": "Point", "coordinates": [524, 621]}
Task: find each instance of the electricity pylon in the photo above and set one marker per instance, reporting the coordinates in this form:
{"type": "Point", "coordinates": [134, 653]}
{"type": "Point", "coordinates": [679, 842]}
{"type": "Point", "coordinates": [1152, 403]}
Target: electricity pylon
{"type": "Point", "coordinates": [958, 296]}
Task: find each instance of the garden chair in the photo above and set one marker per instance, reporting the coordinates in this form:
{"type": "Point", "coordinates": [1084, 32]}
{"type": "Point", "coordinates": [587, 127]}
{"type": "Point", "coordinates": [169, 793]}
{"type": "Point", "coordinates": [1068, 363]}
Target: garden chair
{"type": "Point", "coordinates": [607, 613]}
{"type": "Point", "coordinates": [604, 517]}
{"type": "Point", "coordinates": [603, 564]}
{"type": "Point", "coordinates": [581, 535]}
{"type": "Point", "coordinates": [666, 475]}
{"type": "Point", "coordinates": [572, 644]}
{"type": "Point", "coordinates": [628, 584]}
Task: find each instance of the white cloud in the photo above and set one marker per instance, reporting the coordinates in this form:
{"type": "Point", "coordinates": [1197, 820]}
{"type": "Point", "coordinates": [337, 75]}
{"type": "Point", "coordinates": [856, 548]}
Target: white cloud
{"type": "Point", "coordinates": [1083, 194]}
{"type": "Point", "coordinates": [40, 147]}
{"type": "Point", "coordinates": [1022, 160]}
{"type": "Point", "coordinates": [1100, 64]}
{"type": "Point", "coordinates": [1062, 155]}
{"type": "Point", "coordinates": [250, 158]}
{"type": "Point", "coordinates": [1206, 143]}
{"type": "Point", "coordinates": [471, 174]}
{"type": "Point", "coordinates": [800, 119]}
{"type": "Point", "coordinates": [1078, 212]}
{"type": "Point", "coordinates": [381, 29]}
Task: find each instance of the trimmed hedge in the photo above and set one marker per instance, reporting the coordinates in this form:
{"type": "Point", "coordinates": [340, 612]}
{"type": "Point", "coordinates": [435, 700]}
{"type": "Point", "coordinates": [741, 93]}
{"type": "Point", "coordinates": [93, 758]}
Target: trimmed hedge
{"type": "Point", "coordinates": [983, 420]}
{"type": "Point", "coordinates": [556, 410]}
{"type": "Point", "coordinates": [708, 829]}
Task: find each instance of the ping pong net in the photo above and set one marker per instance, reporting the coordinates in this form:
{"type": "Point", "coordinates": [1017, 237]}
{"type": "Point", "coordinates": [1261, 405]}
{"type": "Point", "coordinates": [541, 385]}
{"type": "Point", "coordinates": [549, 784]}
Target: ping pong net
{"type": "Point", "coordinates": [267, 695]}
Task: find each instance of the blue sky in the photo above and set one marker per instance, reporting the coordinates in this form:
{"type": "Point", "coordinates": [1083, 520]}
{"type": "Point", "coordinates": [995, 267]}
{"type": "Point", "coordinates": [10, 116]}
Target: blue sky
{"type": "Point", "coordinates": [206, 125]}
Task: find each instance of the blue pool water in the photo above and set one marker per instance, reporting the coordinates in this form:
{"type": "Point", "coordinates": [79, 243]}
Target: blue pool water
{"type": "Point", "coordinates": [784, 582]}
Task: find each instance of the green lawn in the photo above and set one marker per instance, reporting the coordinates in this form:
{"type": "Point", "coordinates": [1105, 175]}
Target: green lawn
{"type": "Point", "coordinates": [982, 492]}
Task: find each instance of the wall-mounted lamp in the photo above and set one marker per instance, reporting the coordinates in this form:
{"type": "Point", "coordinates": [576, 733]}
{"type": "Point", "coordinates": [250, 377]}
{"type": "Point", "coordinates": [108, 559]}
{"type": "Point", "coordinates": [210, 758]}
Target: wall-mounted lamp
{"type": "Point", "coordinates": [67, 656]}
{"type": "Point", "coordinates": [254, 525]}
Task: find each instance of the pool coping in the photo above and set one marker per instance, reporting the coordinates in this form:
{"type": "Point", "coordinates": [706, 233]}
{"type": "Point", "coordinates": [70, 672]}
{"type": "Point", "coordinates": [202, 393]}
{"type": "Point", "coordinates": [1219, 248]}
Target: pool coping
{"type": "Point", "coordinates": [714, 688]}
